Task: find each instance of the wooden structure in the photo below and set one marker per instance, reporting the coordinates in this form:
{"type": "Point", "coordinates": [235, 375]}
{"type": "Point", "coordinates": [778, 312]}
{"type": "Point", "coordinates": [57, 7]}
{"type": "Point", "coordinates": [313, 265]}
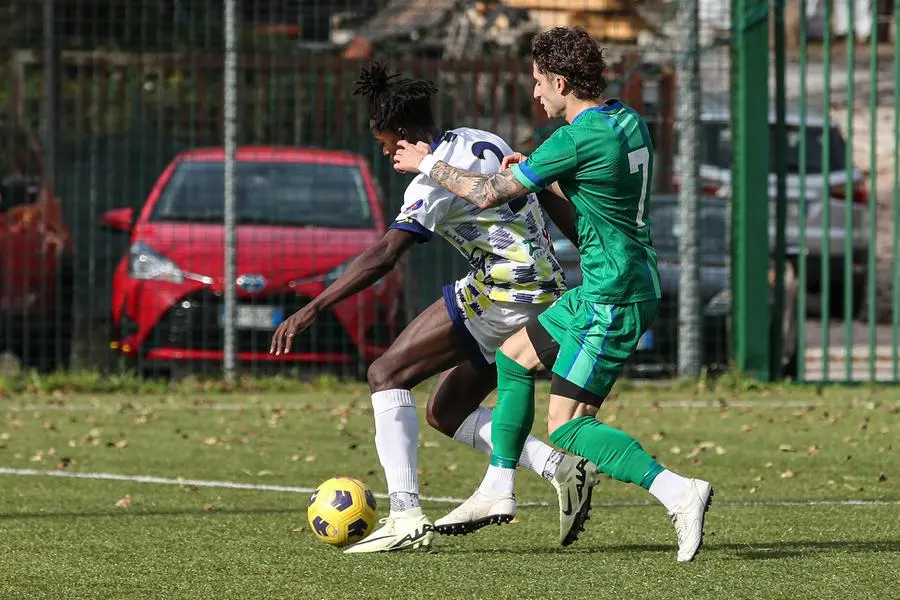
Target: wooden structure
{"type": "Point", "coordinates": [604, 20]}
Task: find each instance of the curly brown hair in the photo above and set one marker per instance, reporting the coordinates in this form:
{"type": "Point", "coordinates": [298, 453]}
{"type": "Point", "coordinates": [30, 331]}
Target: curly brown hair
{"type": "Point", "coordinates": [571, 53]}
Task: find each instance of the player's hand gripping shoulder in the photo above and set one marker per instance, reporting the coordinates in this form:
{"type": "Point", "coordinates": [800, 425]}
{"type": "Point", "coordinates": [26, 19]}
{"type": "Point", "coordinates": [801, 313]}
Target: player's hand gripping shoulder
{"type": "Point", "coordinates": [512, 159]}
{"type": "Point", "coordinates": [484, 191]}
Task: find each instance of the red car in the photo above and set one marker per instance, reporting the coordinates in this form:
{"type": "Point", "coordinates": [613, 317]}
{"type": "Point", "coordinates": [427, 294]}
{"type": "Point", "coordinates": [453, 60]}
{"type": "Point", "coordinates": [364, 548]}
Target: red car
{"type": "Point", "coordinates": [36, 257]}
{"type": "Point", "coordinates": [302, 215]}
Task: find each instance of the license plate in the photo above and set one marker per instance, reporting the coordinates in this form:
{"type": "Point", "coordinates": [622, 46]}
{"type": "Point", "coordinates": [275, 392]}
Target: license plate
{"type": "Point", "coordinates": [266, 318]}
{"type": "Point", "coordinates": [646, 341]}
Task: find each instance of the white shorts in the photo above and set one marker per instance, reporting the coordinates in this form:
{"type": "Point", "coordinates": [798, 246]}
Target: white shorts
{"type": "Point", "coordinates": [484, 333]}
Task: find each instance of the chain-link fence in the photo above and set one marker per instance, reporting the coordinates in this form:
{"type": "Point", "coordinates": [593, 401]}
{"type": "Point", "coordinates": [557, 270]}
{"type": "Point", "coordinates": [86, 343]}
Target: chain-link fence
{"type": "Point", "coordinates": [114, 229]}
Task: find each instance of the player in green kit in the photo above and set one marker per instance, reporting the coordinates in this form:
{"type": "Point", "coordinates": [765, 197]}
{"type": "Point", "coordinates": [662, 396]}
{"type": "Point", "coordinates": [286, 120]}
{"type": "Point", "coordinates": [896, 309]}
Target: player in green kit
{"type": "Point", "coordinates": [602, 162]}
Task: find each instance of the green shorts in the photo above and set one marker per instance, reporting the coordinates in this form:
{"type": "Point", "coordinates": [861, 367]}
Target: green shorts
{"type": "Point", "coordinates": [595, 340]}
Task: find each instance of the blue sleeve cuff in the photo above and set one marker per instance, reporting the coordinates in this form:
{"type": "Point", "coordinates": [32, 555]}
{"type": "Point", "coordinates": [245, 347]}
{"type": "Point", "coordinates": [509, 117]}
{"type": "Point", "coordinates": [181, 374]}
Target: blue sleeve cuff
{"type": "Point", "coordinates": [527, 177]}
{"type": "Point", "coordinates": [413, 227]}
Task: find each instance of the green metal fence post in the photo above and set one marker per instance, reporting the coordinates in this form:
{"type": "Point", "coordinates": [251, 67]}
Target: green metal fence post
{"type": "Point", "coordinates": [826, 189]}
{"type": "Point", "coordinates": [873, 127]}
{"type": "Point", "coordinates": [848, 196]}
{"type": "Point", "coordinates": [801, 218]}
{"type": "Point", "coordinates": [750, 194]}
{"type": "Point", "coordinates": [781, 192]}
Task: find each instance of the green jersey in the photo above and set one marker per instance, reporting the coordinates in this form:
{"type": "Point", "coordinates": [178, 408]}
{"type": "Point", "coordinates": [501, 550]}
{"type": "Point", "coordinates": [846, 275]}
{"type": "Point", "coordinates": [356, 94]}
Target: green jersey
{"type": "Point", "coordinates": [603, 162]}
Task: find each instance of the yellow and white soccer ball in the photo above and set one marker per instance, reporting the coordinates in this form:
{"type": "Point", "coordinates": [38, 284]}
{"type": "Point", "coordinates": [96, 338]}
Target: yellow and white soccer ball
{"type": "Point", "coordinates": [342, 511]}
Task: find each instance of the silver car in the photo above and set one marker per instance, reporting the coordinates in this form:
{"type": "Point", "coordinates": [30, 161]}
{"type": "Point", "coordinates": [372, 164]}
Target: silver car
{"type": "Point", "coordinates": [716, 160]}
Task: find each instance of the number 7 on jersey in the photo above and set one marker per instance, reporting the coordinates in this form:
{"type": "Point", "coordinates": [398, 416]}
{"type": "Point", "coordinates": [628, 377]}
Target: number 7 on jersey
{"type": "Point", "coordinates": [636, 160]}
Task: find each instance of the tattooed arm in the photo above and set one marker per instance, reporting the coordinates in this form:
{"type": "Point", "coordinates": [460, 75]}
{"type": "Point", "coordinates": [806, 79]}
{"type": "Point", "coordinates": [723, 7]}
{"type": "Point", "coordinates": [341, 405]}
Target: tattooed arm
{"type": "Point", "coordinates": [484, 191]}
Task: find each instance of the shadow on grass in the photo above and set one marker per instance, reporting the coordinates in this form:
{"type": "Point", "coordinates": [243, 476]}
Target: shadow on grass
{"type": "Point", "coordinates": [757, 551]}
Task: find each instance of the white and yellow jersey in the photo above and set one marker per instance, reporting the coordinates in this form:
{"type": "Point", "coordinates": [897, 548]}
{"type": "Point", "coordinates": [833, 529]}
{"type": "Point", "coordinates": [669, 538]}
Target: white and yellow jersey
{"type": "Point", "coordinates": [508, 247]}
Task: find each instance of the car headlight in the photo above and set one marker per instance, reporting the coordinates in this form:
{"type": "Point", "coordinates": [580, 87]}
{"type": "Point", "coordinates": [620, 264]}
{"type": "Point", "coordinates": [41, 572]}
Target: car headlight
{"type": "Point", "coordinates": [146, 263]}
{"type": "Point", "coordinates": [332, 276]}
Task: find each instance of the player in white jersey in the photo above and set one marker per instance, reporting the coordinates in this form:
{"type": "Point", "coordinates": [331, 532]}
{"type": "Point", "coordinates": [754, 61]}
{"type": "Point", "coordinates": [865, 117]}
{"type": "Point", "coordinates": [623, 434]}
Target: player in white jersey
{"type": "Point", "coordinates": [513, 276]}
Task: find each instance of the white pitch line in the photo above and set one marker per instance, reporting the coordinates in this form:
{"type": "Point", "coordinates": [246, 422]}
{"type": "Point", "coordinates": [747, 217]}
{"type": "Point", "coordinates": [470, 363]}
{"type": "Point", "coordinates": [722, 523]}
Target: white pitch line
{"type": "Point", "coordinates": [234, 485]}
{"type": "Point", "coordinates": [238, 406]}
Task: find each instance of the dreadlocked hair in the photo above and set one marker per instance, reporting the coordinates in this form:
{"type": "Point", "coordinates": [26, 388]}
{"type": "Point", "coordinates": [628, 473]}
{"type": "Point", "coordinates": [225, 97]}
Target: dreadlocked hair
{"type": "Point", "coordinates": [397, 103]}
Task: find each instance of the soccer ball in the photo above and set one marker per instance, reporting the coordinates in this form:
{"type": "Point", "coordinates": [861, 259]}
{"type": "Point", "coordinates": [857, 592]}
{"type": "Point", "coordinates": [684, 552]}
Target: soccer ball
{"type": "Point", "coordinates": [341, 511]}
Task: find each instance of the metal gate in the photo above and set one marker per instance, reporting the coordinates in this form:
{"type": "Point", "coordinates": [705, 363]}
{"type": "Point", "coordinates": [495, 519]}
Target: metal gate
{"type": "Point", "coordinates": [826, 162]}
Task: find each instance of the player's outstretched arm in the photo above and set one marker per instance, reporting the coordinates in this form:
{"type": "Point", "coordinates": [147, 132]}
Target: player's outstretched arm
{"type": "Point", "coordinates": [484, 191]}
{"type": "Point", "coordinates": [369, 267]}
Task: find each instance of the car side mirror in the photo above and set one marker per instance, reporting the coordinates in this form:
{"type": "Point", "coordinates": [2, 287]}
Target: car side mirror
{"type": "Point", "coordinates": [119, 219]}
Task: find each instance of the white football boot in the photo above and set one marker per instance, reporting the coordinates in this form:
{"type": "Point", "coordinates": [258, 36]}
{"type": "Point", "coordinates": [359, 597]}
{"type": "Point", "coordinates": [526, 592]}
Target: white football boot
{"type": "Point", "coordinates": [574, 481]}
{"type": "Point", "coordinates": [688, 518]}
{"type": "Point", "coordinates": [406, 530]}
{"type": "Point", "coordinates": [477, 512]}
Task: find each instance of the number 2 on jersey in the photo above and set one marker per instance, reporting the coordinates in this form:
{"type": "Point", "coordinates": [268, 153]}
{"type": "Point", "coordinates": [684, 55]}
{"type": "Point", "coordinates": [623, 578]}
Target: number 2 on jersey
{"type": "Point", "coordinates": [639, 160]}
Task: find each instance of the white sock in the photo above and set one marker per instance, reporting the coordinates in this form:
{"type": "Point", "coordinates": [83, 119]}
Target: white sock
{"type": "Point", "coordinates": [396, 441]}
{"type": "Point", "coordinates": [669, 488]}
{"type": "Point", "coordinates": [537, 456]}
{"type": "Point", "coordinates": [498, 481]}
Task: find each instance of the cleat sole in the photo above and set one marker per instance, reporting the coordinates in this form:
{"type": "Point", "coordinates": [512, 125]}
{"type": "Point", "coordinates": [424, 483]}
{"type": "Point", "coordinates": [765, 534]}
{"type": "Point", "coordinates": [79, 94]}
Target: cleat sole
{"type": "Point", "coordinates": [472, 526]}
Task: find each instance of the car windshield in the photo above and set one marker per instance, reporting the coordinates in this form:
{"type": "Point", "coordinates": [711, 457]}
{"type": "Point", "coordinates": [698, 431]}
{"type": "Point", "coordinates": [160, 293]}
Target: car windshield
{"type": "Point", "coordinates": [268, 193]}
{"type": "Point", "coordinates": [666, 229]}
{"type": "Point", "coordinates": [716, 148]}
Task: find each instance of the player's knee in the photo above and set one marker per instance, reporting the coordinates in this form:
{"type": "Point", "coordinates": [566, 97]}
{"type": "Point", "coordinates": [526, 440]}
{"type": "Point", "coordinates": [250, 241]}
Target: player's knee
{"type": "Point", "coordinates": [562, 410]}
{"type": "Point", "coordinates": [433, 416]}
{"type": "Point", "coordinates": [440, 417]}
{"type": "Point", "coordinates": [382, 375]}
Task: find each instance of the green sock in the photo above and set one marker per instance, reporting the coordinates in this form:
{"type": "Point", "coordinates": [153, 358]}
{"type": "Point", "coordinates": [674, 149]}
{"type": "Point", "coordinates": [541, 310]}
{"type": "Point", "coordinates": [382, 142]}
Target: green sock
{"type": "Point", "coordinates": [614, 452]}
{"type": "Point", "coordinates": [514, 414]}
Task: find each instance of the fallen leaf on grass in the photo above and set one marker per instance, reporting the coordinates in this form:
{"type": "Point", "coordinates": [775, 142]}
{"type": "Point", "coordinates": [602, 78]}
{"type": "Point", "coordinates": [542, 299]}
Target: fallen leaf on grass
{"type": "Point", "coordinates": [813, 450]}
{"type": "Point", "coordinates": [694, 452]}
{"type": "Point", "coordinates": [311, 458]}
{"type": "Point", "coordinates": [746, 427]}
{"type": "Point", "coordinates": [720, 450]}
{"type": "Point", "coordinates": [675, 450]}
{"type": "Point", "coordinates": [211, 441]}
{"type": "Point", "coordinates": [124, 502]}
{"type": "Point", "coordinates": [706, 445]}
{"type": "Point", "coordinates": [785, 448]}
{"type": "Point", "coordinates": [657, 437]}
{"type": "Point", "coordinates": [64, 462]}
{"type": "Point", "coordinates": [787, 474]}
{"type": "Point", "coordinates": [298, 529]}
{"type": "Point", "coordinates": [209, 507]}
